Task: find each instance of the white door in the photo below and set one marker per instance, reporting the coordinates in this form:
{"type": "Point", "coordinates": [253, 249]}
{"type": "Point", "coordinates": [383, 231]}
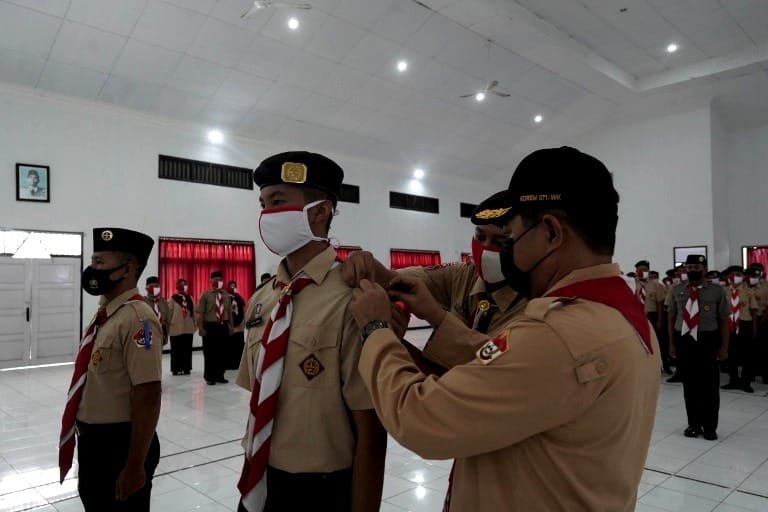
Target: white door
{"type": "Point", "coordinates": [39, 310]}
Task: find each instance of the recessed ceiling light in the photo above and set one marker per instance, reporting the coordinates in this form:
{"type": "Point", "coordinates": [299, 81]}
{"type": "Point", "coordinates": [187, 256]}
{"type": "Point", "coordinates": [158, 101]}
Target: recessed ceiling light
{"type": "Point", "coordinates": [480, 96]}
{"type": "Point", "coordinates": [672, 48]}
{"type": "Point", "coordinates": [402, 65]}
{"type": "Point", "coordinates": [538, 118]}
{"type": "Point", "coordinates": [215, 136]}
{"type": "Point", "coordinates": [418, 173]}
{"type": "Point", "coordinates": [293, 23]}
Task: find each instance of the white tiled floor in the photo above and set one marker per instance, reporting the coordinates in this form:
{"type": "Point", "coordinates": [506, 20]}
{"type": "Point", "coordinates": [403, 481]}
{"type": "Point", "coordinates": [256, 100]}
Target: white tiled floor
{"type": "Point", "coordinates": [200, 427]}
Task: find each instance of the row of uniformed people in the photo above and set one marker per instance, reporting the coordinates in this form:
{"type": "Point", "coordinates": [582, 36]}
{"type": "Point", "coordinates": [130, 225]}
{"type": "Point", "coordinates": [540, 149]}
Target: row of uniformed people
{"type": "Point", "coordinates": [539, 335]}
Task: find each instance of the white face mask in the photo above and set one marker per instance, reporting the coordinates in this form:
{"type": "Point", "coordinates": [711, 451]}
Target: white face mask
{"type": "Point", "coordinates": [155, 291]}
{"type": "Point", "coordinates": [737, 280]}
{"type": "Point", "coordinates": [186, 288]}
{"type": "Point", "coordinates": [488, 262]}
{"type": "Point", "coordinates": [684, 277]}
{"type": "Point", "coordinates": [676, 280]}
{"type": "Point", "coordinates": [218, 285]}
{"type": "Point", "coordinates": [285, 229]}
{"type": "Point", "coordinates": [754, 281]}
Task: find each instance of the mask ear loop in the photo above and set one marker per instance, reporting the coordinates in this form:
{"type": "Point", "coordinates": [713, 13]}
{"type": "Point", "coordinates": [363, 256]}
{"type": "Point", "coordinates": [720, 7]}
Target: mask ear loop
{"type": "Point", "coordinates": [306, 221]}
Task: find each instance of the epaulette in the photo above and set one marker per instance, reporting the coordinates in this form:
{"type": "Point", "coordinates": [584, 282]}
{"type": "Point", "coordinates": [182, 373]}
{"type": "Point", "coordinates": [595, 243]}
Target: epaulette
{"type": "Point", "coordinates": [538, 309]}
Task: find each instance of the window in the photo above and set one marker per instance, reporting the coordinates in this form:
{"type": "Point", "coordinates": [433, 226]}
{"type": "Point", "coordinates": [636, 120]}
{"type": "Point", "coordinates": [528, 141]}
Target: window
{"type": "Point", "coordinates": [343, 251]}
{"type": "Point", "coordinates": [466, 209]}
{"type": "Point", "coordinates": [207, 173]}
{"type": "Point", "coordinates": [681, 253]}
{"type": "Point", "coordinates": [42, 243]}
{"type": "Point", "coordinates": [401, 258]}
{"type": "Point", "coordinates": [349, 193]}
{"type": "Point", "coordinates": [415, 203]}
{"type": "Point", "coordinates": [755, 254]}
{"type": "Point", "coordinates": [194, 260]}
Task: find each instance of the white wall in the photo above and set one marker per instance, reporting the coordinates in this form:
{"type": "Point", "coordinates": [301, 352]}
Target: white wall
{"type": "Point", "coordinates": [720, 202]}
{"type": "Point", "coordinates": [662, 169]}
{"type": "Point", "coordinates": [104, 172]}
{"type": "Point", "coordinates": [747, 157]}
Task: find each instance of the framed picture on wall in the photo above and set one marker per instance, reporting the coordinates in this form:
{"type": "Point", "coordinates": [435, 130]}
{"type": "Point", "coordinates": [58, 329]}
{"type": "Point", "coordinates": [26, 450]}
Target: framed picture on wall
{"type": "Point", "coordinates": [681, 253]}
{"type": "Point", "coordinates": [33, 183]}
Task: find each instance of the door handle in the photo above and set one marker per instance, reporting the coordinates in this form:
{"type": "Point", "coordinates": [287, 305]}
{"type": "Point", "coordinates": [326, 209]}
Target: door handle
{"type": "Point", "coordinates": [27, 313]}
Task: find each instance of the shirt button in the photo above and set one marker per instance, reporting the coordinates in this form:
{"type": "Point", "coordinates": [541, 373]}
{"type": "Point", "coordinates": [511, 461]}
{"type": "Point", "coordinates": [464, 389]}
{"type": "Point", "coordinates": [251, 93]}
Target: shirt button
{"type": "Point", "coordinates": [601, 367]}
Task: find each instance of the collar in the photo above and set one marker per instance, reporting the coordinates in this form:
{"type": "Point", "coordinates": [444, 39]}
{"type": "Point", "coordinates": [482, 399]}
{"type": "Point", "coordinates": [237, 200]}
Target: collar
{"type": "Point", "coordinates": [503, 297]}
{"type": "Point", "coordinates": [114, 304]}
{"type": "Point", "coordinates": [317, 269]}
{"type": "Point", "coordinates": [587, 273]}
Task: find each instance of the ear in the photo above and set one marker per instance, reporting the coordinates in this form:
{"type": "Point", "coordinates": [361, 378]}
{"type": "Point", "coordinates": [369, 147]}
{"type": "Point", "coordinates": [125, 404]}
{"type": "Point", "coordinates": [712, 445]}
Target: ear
{"type": "Point", "coordinates": [318, 217]}
{"type": "Point", "coordinates": [555, 230]}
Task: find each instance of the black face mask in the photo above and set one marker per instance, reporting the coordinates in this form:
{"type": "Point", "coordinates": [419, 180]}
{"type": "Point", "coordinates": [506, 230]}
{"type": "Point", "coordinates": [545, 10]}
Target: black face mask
{"type": "Point", "coordinates": [519, 280]}
{"type": "Point", "coordinates": [97, 282]}
{"type": "Point", "coordinates": [695, 275]}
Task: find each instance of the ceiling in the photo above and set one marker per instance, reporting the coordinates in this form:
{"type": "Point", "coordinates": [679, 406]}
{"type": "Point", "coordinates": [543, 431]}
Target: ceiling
{"type": "Point", "coordinates": [333, 82]}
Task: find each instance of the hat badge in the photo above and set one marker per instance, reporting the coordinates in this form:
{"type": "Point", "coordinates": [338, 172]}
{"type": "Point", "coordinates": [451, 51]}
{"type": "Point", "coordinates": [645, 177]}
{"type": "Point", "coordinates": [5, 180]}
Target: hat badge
{"type": "Point", "coordinates": [292, 172]}
{"type": "Point", "coordinates": [107, 235]}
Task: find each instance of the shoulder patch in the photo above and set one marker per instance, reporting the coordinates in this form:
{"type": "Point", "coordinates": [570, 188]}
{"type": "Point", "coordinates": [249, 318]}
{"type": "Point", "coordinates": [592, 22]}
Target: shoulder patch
{"type": "Point", "coordinates": [538, 309]}
{"type": "Point", "coordinates": [143, 337]}
{"type": "Point", "coordinates": [493, 348]}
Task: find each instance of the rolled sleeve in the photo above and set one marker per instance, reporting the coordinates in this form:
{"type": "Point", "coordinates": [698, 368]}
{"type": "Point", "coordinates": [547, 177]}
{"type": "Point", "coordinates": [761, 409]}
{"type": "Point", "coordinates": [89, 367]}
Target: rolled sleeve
{"type": "Point", "coordinates": [453, 343]}
{"type": "Point", "coordinates": [353, 388]}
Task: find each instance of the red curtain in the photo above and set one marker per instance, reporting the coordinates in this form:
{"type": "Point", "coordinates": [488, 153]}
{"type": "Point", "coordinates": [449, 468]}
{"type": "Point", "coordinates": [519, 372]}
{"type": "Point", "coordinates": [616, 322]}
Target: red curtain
{"type": "Point", "coordinates": [466, 257]}
{"type": "Point", "coordinates": [401, 258]}
{"type": "Point", "coordinates": [343, 251]}
{"type": "Point", "coordinates": [194, 260]}
{"type": "Point", "coordinates": [757, 255]}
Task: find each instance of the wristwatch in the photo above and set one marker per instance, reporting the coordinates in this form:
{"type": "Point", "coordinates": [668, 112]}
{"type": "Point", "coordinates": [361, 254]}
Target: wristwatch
{"type": "Point", "coordinates": [371, 326]}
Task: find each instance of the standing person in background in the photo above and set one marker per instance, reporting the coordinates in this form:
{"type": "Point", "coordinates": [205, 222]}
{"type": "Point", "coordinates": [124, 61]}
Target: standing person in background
{"type": "Point", "coordinates": [743, 329]}
{"type": "Point", "coordinates": [265, 278]}
{"type": "Point", "coordinates": [213, 312]}
{"type": "Point", "coordinates": [757, 272]}
{"type": "Point", "coordinates": [182, 328]}
{"type": "Point", "coordinates": [698, 333]}
{"type": "Point", "coordinates": [158, 304]}
{"type": "Point", "coordinates": [236, 327]}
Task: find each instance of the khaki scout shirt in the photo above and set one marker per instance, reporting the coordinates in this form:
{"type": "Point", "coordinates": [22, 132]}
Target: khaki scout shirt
{"type": "Point", "coordinates": [761, 295]}
{"type": "Point", "coordinates": [313, 429]}
{"type": "Point", "coordinates": [207, 306]}
{"type": "Point", "coordinates": [165, 312]}
{"type": "Point", "coordinates": [654, 293]}
{"type": "Point", "coordinates": [180, 324]}
{"type": "Point", "coordinates": [120, 360]}
{"type": "Point", "coordinates": [559, 420]}
{"type": "Point", "coordinates": [459, 289]}
{"type": "Point", "coordinates": [713, 305]}
{"type": "Point", "coordinates": [747, 302]}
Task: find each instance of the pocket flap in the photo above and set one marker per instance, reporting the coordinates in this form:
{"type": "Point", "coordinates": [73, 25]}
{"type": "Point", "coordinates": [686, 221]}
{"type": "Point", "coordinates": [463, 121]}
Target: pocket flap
{"type": "Point", "coordinates": [313, 337]}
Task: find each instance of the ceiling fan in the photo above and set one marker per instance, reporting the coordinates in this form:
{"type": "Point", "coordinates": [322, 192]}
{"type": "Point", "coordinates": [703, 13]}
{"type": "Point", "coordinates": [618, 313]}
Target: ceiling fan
{"type": "Point", "coordinates": [258, 5]}
{"type": "Point", "coordinates": [488, 89]}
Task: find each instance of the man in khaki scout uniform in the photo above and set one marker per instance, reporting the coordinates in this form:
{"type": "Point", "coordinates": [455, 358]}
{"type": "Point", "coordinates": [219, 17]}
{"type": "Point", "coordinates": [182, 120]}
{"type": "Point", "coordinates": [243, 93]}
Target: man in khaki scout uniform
{"type": "Point", "coordinates": [158, 304]}
{"type": "Point", "coordinates": [213, 315]}
{"type": "Point", "coordinates": [698, 333]}
{"type": "Point", "coordinates": [757, 273]}
{"type": "Point", "coordinates": [652, 296]}
{"type": "Point", "coordinates": [476, 293]}
{"type": "Point", "coordinates": [118, 449]}
{"type": "Point", "coordinates": [326, 447]}
{"type": "Point", "coordinates": [182, 329]}
{"type": "Point", "coordinates": [742, 348]}
{"type": "Point", "coordinates": [556, 412]}
{"type": "Point", "coordinates": [236, 327]}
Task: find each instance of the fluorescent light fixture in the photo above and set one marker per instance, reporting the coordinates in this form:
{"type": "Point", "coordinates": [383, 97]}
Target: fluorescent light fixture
{"type": "Point", "coordinates": [538, 118]}
{"type": "Point", "coordinates": [293, 23]}
{"type": "Point", "coordinates": [418, 173]}
{"type": "Point", "coordinates": [215, 136]}
{"type": "Point", "coordinates": [402, 65]}
{"type": "Point", "coordinates": [480, 96]}
{"type": "Point", "coordinates": [672, 48]}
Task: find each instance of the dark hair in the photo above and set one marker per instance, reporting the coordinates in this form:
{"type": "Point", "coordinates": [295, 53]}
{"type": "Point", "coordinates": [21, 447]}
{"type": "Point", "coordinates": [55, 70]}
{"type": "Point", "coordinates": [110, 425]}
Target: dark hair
{"type": "Point", "coordinates": [231, 282]}
{"type": "Point", "coordinates": [179, 280]}
{"type": "Point", "coordinates": [31, 172]}
{"type": "Point", "coordinates": [132, 258]}
{"type": "Point", "coordinates": [597, 229]}
{"type": "Point", "coordinates": [265, 275]}
{"type": "Point", "coordinates": [312, 194]}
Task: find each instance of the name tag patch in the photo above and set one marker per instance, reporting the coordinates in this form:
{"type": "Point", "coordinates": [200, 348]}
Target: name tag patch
{"type": "Point", "coordinates": [493, 349]}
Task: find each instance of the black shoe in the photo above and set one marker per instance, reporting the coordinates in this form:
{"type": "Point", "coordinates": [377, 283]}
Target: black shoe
{"type": "Point", "coordinates": [747, 389]}
{"type": "Point", "coordinates": [223, 381]}
{"type": "Point", "coordinates": [731, 385]}
{"type": "Point", "coordinates": [675, 378]}
{"type": "Point", "coordinates": [210, 383]}
{"type": "Point", "coordinates": [667, 370]}
{"type": "Point", "coordinates": [186, 372]}
{"type": "Point", "coordinates": [710, 435]}
{"type": "Point", "coordinates": [176, 373]}
{"type": "Point", "coordinates": [692, 432]}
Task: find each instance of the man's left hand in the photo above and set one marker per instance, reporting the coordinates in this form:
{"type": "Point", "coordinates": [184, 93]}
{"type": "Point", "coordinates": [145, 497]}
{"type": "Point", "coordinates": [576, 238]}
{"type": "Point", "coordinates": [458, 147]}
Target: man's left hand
{"type": "Point", "coordinates": [370, 302]}
{"type": "Point", "coordinates": [129, 482]}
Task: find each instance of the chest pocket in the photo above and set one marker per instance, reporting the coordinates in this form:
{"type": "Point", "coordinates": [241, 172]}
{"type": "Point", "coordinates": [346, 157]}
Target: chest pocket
{"type": "Point", "coordinates": [104, 351]}
{"type": "Point", "coordinates": [314, 356]}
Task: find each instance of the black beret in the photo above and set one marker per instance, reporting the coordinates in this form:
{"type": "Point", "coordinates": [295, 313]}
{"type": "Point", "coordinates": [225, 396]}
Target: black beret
{"type": "Point", "coordinates": [754, 271]}
{"type": "Point", "coordinates": [631, 274]}
{"type": "Point", "coordinates": [123, 240]}
{"type": "Point", "coordinates": [152, 280]}
{"type": "Point", "coordinates": [564, 178]}
{"type": "Point", "coordinates": [671, 272]}
{"type": "Point", "coordinates": [734, 268]}
{"type": "Point", "coordinates": [713, 274]}
{"type": "Point", "coordinates": [643, 263]}
{"type": "Point", "coordinates": [757, 265]}
{"type": "Point", "coordinates": [300, 168]}
{"type": "Point", "coordinates": [216, 274]}
{"type": "Point", "coordinates": [493, 210]}
{"type": "Point", "coordinates": [696, 259]}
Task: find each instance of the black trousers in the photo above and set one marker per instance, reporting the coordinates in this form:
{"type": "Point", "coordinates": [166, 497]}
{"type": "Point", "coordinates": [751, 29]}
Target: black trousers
{"type": "Point", "coordinates": [214, 350]}
{"type": "Point", "coordinates": [235, 350]}
{"type": "Point", "coordinates": [318, 492]}
{"type": "Point", "coordinates": [742, 353]}
{"type": "Point", "coordinates": [101, 453]}
{"type": "Point", "coordinates": [663, 337]}
{"type": "Point", "coordinates": [762, 351]}
{"type": "Point", "coordinates": [701, 377]}
{"type": "Point", "coordinates": [181, 353]}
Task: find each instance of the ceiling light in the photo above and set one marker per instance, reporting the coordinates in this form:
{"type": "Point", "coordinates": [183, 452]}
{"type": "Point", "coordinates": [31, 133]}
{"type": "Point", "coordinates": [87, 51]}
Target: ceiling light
{"type": "Point", "coordinates": [538, 118]}
{"type": "Point", "coordinates": [215, 136]}
{"type": "Point", "coordinates": [293, 23]}
{"type": "Point", "coordinates": [480, 96]}
{"type": "Point", "coordinates": [418, 173]}
{"type": "Point", "coordinates": [672, 48]}
{"type": "Point", "coordinates": [402, 65]}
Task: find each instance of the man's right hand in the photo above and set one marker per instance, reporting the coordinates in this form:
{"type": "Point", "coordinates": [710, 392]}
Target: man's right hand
{"type": "Point", "coordinates": [415, 294]}
{"type": "Point", "coordinates": [359, 265]}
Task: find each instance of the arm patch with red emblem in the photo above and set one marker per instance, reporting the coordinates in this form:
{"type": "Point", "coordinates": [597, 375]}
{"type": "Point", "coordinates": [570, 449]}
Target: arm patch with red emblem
{"type": "Point", "coordinates": [143, 337]}
{"type": "Point", "coordinates": [493, 348]}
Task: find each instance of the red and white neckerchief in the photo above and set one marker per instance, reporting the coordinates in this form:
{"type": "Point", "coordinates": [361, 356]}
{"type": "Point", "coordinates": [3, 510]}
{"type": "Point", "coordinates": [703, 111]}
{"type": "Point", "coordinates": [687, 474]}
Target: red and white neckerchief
{"type": "Point", "coordinates": [156, 308]}
{"type": "Point", "coordinates": [735, 312]}
{"type": "Point", "coordinates": [219, 307]}
{"type": "Point", "coordinates": [641, 293]}
{"type": "Point", "coordinates": [235, 306]}
{"type": "Point", "coordinates": [76, 387]}
{"type": "Point", "coordinates": [268, 374]}
{"type": "Point", "coordinates": [183, 304]}
{"type": "Point", "coordinates": [691, 313]}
